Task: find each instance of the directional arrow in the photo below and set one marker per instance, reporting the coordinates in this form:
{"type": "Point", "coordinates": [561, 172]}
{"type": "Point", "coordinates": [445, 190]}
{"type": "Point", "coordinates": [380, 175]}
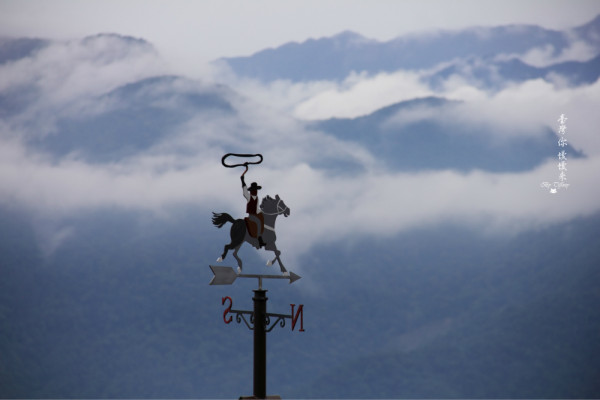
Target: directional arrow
{"type": "Point", "coordinates": [294, 277]}
{"type": "Point", "coordinates": [226, 276]}
{"type": "Point", "coordinates": [223, 275]}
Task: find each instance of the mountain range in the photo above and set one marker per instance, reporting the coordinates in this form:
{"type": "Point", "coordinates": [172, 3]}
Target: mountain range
{"type": "Point", "coordinates": [458, 147]}
{"type": "Point", "coordinates": [497, 74]}
{"type": "Point", "coordinates": [138, 120]}
{"type": "Point", "coordinates": [336, 57]}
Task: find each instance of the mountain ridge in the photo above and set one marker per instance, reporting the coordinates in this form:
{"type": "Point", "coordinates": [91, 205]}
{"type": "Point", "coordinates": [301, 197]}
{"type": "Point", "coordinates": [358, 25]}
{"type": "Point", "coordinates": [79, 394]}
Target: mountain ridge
{"type": "Point", "coordinates": [435, 144]}
{"type": "Point", "coordinates": [328, 59]}
{"type": "Point", "coordinates": [495, 75]}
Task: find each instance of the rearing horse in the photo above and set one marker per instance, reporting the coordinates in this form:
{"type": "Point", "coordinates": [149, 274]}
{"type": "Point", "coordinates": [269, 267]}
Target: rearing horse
{"type": "Point", "coordinates": [271, 209]}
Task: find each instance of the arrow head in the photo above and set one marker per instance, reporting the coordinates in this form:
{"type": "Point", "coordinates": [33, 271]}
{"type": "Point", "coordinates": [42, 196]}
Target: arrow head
{"type": "Point", "coordinates": [223, 275]}
{"type": "Point", "coordinates": [294, 277]}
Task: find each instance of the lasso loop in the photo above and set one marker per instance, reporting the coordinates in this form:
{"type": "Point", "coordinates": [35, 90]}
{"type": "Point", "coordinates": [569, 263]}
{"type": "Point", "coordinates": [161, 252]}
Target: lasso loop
{"type": "Point", "coordinates": [245, 164]}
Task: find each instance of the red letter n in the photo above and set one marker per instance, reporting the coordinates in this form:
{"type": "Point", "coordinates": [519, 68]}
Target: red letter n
{"type": "Point", "coordinates": [295, 318]}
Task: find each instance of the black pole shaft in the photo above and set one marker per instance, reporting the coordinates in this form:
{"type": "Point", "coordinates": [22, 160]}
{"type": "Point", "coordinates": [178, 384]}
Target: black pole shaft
{"type": "Point", "coordinates": [260, 344]}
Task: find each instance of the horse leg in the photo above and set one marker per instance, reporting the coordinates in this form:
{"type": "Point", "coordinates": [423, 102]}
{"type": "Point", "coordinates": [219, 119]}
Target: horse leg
{"type": "Point", "coordinates": [226, 248]}
{"type": "Point", "coordinates": [239, 260]}
{"type": "Point", "coordinates": [237, 232]}
{"type": "Point", "coordinates": [281, 266]}
{"type": "Point", "coordinates": [273, 248]}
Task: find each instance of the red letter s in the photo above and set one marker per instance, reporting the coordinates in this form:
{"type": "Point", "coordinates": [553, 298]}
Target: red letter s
{"type": "Point", "coordinates": [227, 309]}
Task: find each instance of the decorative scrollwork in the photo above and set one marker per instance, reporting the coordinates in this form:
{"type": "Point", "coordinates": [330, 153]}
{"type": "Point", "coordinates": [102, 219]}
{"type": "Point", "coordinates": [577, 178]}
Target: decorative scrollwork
{"type": "Point", "coordinates": [239, 317]}
{"type": "Point", "coordinates": [279, 319]}
{"type": "Point", "coordinates": [267, 321]}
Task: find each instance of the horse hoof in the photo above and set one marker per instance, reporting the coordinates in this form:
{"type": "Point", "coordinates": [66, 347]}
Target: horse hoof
{"type": "Point", "coordinates": [220, 259]}
{"type": "Point", "coordinates": [286, 273]}
{"type": "Point", "coordinates": [239, 271]}
{"type": "Point", "coordinates": [269, 263]}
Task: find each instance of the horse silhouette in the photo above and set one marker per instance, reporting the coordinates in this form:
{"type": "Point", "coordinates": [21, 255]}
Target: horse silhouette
{"type": "Point", "coordinates": [271, 209]}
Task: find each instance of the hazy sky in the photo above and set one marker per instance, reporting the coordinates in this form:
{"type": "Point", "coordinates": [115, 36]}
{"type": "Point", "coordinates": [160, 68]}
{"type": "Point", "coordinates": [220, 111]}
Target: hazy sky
{"type": "Point", "coordinates": [190, 33]}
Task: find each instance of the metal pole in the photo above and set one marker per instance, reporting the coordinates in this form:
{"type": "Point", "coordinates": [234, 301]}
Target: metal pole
{"type": "Point", "coordinates": [260, 344]}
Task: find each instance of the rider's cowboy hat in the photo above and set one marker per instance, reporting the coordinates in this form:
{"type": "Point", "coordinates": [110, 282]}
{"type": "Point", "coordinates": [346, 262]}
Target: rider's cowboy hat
{"type": "Point", "coordinates": [254, 186]}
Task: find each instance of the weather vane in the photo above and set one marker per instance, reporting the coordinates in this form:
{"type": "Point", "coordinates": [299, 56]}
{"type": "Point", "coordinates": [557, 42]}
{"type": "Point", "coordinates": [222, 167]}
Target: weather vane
{"type": "Point", "coordinates": [257, 229]}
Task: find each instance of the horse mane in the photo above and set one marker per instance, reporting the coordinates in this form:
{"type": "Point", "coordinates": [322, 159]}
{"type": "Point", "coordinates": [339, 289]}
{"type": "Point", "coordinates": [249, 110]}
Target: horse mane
{"type": "Point", "coordinates": [266, 201]}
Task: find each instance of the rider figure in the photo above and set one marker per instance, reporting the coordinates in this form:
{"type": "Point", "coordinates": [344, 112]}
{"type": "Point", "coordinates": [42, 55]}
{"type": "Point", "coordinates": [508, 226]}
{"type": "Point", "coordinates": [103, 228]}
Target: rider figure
{"type": "Point", "coordinates": [251, 195]}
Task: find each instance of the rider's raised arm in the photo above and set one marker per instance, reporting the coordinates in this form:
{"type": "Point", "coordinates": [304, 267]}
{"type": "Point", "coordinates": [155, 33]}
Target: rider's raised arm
{"type": "Point", "coordinates": [245, 190]}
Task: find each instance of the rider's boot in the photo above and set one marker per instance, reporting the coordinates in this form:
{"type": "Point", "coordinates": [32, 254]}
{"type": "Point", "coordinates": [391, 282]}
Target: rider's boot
{"type": "Point", "coordinates": [261, 243]}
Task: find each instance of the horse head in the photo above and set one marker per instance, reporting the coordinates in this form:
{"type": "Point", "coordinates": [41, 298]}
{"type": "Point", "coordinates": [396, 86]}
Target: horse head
{"type": "Point", "coordinates": [274, 206]}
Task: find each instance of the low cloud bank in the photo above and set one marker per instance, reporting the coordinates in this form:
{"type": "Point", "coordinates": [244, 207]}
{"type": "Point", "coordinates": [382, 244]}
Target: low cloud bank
{"type": "Point", "coordinates": [327, 205]}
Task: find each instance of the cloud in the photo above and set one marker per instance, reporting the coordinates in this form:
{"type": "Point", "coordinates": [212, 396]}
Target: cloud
{"type": "Point", "coordinates": [527, 108]}
{"type": "Point", "coordinates": [172, 170]}
{"type": "Point", "coordinates": [281, 95]}
{"type": "Point", "coordinates": [51, 237]}
{"type": "Point", "coordinates": [331, 210]}
{"type": "Point", "coordinates": [327, 206]}
{"type": "Point", "coordinates": [577, 49]}
{"type": "Point", "coordinates": [383, 202]}
{"type": "Point", "coordinates": [361, 94]}
{"type": "Point", "coordinates": [521, 109]}
{"type": "Point", "coordinates": [89, 66]}
{"type": "Point", "coordinates": [66, 75]}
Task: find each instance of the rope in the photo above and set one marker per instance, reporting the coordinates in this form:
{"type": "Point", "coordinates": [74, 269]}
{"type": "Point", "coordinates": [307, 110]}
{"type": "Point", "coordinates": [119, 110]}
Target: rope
{"type": "Point", "coordinates": [242, 164]}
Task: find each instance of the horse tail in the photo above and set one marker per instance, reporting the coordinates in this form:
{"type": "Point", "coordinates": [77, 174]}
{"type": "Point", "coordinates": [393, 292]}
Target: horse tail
{"type": "Point", "coordinates": [220, 219]}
